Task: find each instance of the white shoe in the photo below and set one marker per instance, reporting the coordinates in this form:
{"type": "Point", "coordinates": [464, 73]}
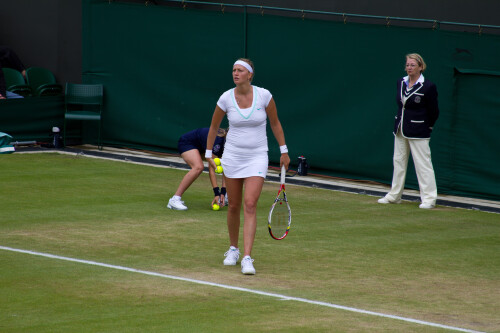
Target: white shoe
{"type": "Point", "coordinates": [384, 201]}
{"type": "Point", "coordinates": [247, 266]}
{"type": "Point", "coordinates": [232, 255]}
{"type": "Point", "coordinates": [176, 204]}
{"type": "Point", "coordinates": [426, 206]}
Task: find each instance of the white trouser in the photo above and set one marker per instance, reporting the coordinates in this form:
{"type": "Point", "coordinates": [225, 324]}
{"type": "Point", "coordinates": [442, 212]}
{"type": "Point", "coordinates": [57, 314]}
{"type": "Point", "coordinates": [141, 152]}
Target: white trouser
{"type": "Point", "coordinates": [421, 153]}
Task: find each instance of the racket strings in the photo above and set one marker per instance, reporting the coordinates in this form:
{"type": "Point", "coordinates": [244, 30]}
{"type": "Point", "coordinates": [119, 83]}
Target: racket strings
{"type": "Point", "coordinates": [279, 219]}
{"type": "Point", "coordinates": [280, 215]}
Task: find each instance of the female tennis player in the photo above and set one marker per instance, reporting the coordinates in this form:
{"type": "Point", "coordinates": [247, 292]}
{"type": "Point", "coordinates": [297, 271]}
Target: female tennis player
{"type": "Point", "coordinates": [245, 159]}
{"type": "Point", "coordinates": [191, 145]}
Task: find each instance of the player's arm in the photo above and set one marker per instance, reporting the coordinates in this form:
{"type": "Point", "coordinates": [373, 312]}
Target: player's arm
{"type": "Point", "coordinates": [274, 122]}
{"type": "Point", "coordinates": [212, 134]}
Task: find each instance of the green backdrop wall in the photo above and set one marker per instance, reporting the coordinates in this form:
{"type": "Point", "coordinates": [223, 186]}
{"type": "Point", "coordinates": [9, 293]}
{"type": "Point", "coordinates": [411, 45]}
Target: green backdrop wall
{"type": "Point", "coordinates": [32, 118]}
{"type": "Point", "coordinates": [164, 69]}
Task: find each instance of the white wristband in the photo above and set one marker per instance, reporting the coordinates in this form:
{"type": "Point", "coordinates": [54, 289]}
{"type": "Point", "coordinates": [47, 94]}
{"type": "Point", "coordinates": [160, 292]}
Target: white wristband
{"type": "Point", "coordinates": [283, 149]}
{"type": "Point", "coordinates": [208, 154]}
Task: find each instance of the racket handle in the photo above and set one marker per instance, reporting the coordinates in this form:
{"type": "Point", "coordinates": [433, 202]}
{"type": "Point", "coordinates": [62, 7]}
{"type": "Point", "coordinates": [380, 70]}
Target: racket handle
{"type": "Point", "coordinates": [283, 172]}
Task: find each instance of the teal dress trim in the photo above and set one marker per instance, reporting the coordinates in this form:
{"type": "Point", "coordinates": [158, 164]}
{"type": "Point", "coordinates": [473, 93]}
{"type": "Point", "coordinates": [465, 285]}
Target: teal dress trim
{"type": "Point", "coordinates": [254, 103]}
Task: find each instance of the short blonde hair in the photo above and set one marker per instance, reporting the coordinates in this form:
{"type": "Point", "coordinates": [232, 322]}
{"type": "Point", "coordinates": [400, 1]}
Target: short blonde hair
{"type": "Point", "coordinates": [418, 58]}
{"type": "Point", "coordinates": [250, 62]}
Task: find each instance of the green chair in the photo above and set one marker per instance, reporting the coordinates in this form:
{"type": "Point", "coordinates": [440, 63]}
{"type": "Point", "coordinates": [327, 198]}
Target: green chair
{"type": "Point", "coordinates": [84, 102]}
{"type": "Point", "coordinates": [42, 82]}
{"type": "Point", "coordinates": [14, 82]}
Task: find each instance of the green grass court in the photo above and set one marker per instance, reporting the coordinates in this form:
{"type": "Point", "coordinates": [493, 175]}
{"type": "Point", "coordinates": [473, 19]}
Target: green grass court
{"type": "Point", "coordinates": [440, 266]}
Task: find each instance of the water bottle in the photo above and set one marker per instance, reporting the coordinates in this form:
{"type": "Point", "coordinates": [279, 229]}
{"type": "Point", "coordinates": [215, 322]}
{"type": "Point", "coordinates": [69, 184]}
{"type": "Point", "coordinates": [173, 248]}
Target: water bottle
{"type": "Point", "coordinates": [56, 141]}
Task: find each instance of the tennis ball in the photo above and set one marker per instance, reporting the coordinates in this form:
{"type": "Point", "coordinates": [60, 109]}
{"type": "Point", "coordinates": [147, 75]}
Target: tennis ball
{"type": "Point", "coordinates": [217, 161]}
{"type": "Point", "coordinates": [215, 207]}
{"type": "Point", "coordinates": [218, 169]}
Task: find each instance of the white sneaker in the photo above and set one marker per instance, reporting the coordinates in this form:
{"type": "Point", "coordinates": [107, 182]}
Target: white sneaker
{"type": "Point", "coordinates": [247, 266]}
{"type": "Point", "coordinates": [426, 206]}
{"type": "Point", "coordinates": [176, 204]}
{"type": "Point", "coordinates": [232, 255]}
{"type": "Point", "coordinates": [384, 201]}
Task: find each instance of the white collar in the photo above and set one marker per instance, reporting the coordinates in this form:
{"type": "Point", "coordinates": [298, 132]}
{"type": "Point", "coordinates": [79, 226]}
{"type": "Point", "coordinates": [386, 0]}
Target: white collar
{"type": "Point", "coordinates": [421, 79]}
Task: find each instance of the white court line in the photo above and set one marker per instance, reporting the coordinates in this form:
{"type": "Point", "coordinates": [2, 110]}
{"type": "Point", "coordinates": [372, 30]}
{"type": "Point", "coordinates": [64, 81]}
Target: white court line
{"type": "Point", "coordinates": [258, 292]}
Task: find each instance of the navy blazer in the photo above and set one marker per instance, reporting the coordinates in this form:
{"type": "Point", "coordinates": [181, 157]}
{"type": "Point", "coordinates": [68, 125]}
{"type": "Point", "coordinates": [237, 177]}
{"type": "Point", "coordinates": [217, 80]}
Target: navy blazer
{"type": "Point", "coordinates": [419, 113]}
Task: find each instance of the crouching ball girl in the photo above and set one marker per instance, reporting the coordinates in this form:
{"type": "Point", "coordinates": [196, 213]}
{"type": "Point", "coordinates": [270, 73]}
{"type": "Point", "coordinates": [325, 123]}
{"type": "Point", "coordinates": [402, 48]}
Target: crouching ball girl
{"type": "Point", "coordinates": [191, 146]}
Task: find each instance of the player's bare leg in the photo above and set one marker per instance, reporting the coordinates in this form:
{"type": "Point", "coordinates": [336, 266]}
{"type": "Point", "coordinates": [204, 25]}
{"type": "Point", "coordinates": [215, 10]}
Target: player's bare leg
{"type": "Point", "coordinates": [253, 188]}
{"type": "Point", "coordinates": [234, 188]}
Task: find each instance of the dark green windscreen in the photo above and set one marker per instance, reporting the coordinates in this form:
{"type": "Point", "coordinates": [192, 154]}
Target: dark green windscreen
{"type": "Point", "coordinates": [334, 84]}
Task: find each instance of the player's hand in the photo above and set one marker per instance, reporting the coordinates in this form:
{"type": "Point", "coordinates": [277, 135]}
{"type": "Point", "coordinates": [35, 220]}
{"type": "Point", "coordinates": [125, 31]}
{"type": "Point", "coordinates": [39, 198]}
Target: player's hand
{"type": "Point", "coordinates": [285, 160]}
{"type": "Point", "coordinates": [216, 201]}
{"type": "Point", "coordinates": [211, 163]}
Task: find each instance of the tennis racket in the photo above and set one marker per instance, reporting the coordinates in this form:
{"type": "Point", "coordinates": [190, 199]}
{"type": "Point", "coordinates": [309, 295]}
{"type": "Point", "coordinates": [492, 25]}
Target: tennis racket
{"type": "Point", "coordinates": [280, 215]}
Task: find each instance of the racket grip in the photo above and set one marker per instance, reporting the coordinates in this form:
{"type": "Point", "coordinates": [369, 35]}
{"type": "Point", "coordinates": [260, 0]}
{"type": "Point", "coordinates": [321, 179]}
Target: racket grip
{"type": "Point", "coordinates": [283, 171]}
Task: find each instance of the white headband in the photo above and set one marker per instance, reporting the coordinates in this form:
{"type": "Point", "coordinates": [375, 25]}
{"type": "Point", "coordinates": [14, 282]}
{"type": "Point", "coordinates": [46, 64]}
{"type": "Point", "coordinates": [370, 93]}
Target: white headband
{"type": "Point", "coordinates": [244, 64]}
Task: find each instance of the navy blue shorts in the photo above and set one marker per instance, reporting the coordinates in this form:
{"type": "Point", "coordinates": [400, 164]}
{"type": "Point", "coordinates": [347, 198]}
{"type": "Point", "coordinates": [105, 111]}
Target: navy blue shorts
{"type": "Point", "coordinates": [184, 145]}
{"type": "Point", "coordinates": [197, 139]}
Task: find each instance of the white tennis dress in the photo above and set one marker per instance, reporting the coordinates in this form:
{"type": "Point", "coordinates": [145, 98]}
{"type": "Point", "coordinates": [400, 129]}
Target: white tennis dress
{"type": "Point", "coordinates": [245, 151]}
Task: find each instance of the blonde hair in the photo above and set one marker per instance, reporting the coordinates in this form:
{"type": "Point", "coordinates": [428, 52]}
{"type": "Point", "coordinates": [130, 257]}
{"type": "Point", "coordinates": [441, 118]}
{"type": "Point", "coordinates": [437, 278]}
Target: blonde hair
{"type": "Point", "coordinates": [250, 62]}
{"type": "Point", "coordinates": [418, 58]}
